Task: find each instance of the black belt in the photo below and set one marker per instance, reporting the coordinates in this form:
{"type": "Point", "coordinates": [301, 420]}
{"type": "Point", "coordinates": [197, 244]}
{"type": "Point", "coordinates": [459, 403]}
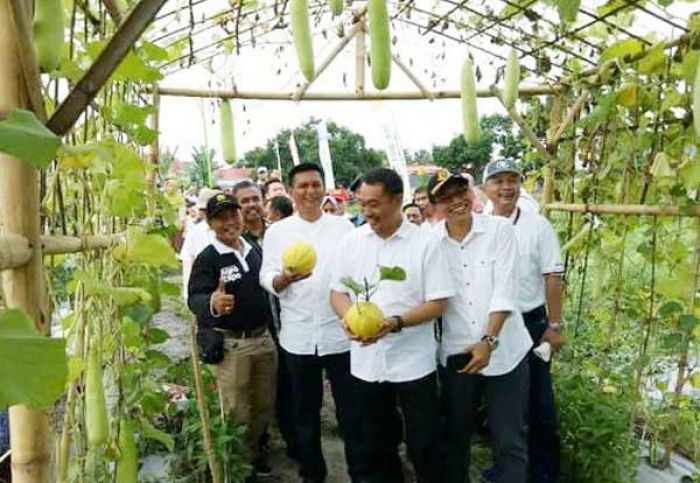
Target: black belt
{"type": "Point", "coordinates": [243, 333]}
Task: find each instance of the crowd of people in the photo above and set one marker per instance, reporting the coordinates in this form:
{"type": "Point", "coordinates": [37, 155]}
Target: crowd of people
{"type": "Point", "coordinates": [475, 320]}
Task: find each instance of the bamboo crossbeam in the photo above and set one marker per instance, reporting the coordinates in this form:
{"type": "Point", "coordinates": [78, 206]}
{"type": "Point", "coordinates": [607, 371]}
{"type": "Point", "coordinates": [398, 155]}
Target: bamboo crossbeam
{"type": "Point", "coordinates": [99, 72]}
{"type": "Point", "coordinates": [15, 250]}
{"type": "Point", "coordinates": [525, 92]}
{"type": "Point", "coordinates": [626, 210]}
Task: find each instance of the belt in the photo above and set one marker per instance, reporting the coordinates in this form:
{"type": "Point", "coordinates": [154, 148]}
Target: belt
{"type": "Point", "coordinates": [243, 333]}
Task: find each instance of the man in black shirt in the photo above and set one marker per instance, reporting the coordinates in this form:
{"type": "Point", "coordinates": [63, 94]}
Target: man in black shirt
{"type": "Point", "coordinates": [226, 297]}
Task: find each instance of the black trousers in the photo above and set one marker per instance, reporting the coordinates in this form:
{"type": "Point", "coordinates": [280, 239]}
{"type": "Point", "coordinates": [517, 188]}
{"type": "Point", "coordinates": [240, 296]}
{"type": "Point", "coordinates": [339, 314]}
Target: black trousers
{"type": "Point", "coordinates": [544, 439]}
{"type": "Point", "coordinates": [306, 382]}
{"type": "Point", "coordinates": [506, 401]}
{"type": "Point", "coordinates": [383, 428]}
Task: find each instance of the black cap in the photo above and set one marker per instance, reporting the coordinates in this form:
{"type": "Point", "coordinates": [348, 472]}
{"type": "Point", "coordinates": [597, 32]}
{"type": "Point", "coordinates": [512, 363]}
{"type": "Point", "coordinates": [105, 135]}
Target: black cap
{"type": "Point", "coordinates": [441, 179]}
{"type": "Point", "coordinates": [219, 202]}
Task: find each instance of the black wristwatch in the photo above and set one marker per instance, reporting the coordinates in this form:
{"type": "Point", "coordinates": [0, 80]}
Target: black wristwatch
{"type": "Point", "coordinates": [399, 323]}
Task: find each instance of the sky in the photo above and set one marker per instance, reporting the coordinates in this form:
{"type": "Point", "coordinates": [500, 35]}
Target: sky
{"type": "Point", "coordinates": [272, 66]}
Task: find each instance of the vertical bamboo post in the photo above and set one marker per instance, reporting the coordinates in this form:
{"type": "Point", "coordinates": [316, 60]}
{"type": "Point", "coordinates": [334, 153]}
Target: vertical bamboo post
{"type": "Point", "coordinates": [23, 287]}
{"type": "Point", "coordinates": [360, 60]}
{"type": "Point", "coordinates": [152, 156]}
{"type": "Point", "coordinates": [555, 120]}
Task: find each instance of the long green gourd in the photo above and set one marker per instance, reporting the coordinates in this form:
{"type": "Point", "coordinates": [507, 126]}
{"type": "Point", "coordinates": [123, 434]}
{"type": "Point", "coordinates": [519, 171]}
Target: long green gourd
{"type": "Point", "coordinates": [299, 13]}
{"type": "Point", "coordinates": [128, 462]}
{"type": "Point", "coordinates": [336, 7]}
{"type": "Point", "coordinates": [96, 422]}
{"type": "Point", "coordinates": [512, 80]}
{"type": "Point", "coordinates": [48, 33]}
{"type": "Point", "coordinates": [470, 117]}
{"type": "Point", "coordinates": [380, 43]}
{"type": "Point", "coordinates": [696, 103]}
{"type": "Point", "coordinates": [228, 139]}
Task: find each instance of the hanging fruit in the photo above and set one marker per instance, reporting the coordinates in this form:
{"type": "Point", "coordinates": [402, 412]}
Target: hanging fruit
{"type": "Point", "coordinates": [128, 462]}
{"type": "Point", "coordinates": [512, 80]}
{"type": "Point", "coordinates": [96, 422]}
{"type": "Point", "coordinates": [299, 12]}
{"type": "Point", "coordinates": [696, 103]}
{"type": "Point", "coordinates": [228, 137]}
{"type": "Point", "coordinates": [469, 113]}
{"type": "Point", "coordinates": [336, 7]}
{"type": "Point", "coordinates": [48, 33]}
{"type": "Point", "coordinates": [380, 43]}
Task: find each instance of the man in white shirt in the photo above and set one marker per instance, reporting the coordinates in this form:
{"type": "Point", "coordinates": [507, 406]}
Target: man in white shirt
{"type": "Point", "coordinates": [399, 364]}
{"type": "Point", "coordinates": [484, 342]}
{"type": "Point", "coordinates": [311, 334]}
{"type": "Point", "coordinates": [539, 299]}
{"type": "Point", "coordinates": [197, 238]}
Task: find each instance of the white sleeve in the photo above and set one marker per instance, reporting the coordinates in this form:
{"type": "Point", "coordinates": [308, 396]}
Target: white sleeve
{"type": "Point", "coordinates": [272, 260]}
{"type": "Point", "coordinates": [549, 250]}
{"type": "Point", "coordinates": [438, 283]}
{"type": "Point", "coordinates": [505, 271]}
{"type": "Point", "coordinates": [341, 267]}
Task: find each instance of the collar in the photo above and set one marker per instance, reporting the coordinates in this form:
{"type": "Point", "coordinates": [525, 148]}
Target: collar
{"type": "Point", "coordinates": [405, 229]}
{"type": "Point", "coordinates": [478, 226]}
{"type": "Point", "coordinates": [224, 249]}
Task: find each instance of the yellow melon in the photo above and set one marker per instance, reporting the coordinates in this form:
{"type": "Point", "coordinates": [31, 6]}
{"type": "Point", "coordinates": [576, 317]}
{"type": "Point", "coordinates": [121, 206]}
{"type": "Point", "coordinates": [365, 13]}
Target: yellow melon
{"type": "Point", "coordinates": [364, 319]}
{"type": "Point", "coordinates": [299, 258]}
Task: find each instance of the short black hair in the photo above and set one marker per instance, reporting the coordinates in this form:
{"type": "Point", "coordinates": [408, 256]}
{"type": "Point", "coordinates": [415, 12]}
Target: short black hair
{"type": "Point", "coordinates": [283, 205]}
{"type": "Point", "coordinates": [241, 185]}
{"type": "Point", "coordinates": [267, 184]}
{"type": "Point", "coordinates": [303, 168]}
{"type": "Point", "coordinates": [420, 189]}
{"type": "Point", "coordinates": [388, 178]}
{"type": "Point", "coordinates": [409, 205]}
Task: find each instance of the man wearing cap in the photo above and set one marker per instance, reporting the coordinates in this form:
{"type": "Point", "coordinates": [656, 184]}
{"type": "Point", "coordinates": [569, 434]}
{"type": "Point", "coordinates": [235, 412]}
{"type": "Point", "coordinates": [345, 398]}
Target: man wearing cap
{"type": "Point", "coordinates": [311, 334]}
{"type": "Point", "coordinates": [226, 296]}
{"type": "Point", "coordinates": [398, 365]}
{"type": "Point", "coordinates": [539, 299]}
{"type": "Point", "coordinates": [197, 237]}
{"type": "Point", "coordinates": [484, 343]}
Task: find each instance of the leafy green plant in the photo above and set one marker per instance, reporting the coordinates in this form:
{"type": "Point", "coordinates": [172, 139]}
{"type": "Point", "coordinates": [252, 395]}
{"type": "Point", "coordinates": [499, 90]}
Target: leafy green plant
{"type": "Point", "coordinates": [365, 290]}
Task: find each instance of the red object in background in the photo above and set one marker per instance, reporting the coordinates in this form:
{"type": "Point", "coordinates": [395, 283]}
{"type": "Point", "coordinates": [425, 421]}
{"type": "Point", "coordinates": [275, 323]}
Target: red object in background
{"type": "Point", "coordinates": [340, 194]}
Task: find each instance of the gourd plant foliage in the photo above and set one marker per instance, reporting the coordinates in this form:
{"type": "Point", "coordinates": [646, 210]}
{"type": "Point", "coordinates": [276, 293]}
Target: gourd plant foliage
{"type": "Point", "coordinates": [365, 290]}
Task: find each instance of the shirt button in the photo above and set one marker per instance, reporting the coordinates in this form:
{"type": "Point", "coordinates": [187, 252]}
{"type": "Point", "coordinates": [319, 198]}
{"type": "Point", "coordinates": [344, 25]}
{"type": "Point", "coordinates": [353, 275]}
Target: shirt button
{"type": "Point", "coordinates": [468, 284]}
{"type": "Point", "coordinates": [470, 303]}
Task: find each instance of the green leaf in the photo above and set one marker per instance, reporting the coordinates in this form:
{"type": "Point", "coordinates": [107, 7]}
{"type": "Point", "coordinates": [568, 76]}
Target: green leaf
{"type": "Point", "coordinates": [157, 336]}
{"type": "Point", "coordinates": [352, 285]}
{"type": "Point", "coordinates": [568, 10]}
{"type": "Point", "coordinates": [622, 48]}
{"type": "Point", "coordinates": [396, 274]}
{"type": "Point", "coordinates": [34, 368]}
{"type": "Point", "coordinates": [133, 68]}
{"type": "Point", "coordinates": [151, 432]}
{"type": "Point", "coordinates": [152, 52]}
{"type": "Point", "coordinates": [23, 136]}
{"type": "Point", "coordinates": [653, 62]}
{"type": "Point", "coordinates": [687, 323]}
{"type": "Point", "coordinates": [153, 250]}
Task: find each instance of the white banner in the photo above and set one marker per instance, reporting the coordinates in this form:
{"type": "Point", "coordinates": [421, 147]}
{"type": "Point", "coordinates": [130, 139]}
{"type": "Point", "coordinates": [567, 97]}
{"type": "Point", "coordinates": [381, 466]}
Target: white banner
{"type": "Point", "coordinates": [395, 154]}
{"type": "Point", "coordinates": [293, 149]}
{"type": "Point", "coordinates": [324, 154]}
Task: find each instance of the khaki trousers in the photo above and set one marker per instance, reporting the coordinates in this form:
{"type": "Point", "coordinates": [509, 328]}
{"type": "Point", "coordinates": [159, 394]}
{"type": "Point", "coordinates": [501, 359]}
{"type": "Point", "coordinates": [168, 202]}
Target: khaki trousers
{"type": "Point", "coordinates": [247, 381]}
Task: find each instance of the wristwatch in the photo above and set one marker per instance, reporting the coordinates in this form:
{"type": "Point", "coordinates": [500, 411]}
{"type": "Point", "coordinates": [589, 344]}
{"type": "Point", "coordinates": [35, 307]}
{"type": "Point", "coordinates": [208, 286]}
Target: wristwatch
{"type": "Point", "coordinates": [399, 323]}
{"type": "Point", "coordinates": [491, 340]}
{"type": "Point", "coordinates": [555, 326]}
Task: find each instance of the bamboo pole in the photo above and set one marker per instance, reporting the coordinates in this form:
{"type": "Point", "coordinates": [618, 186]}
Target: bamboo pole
{"type": "Point", "coordinates": [626, 210]}
{"type": "Point", "coordinates": [360, 53]}
{"type": "Point", "coordinates": [202, 406]}
{"type": "Point", "coordinates": [23, 287]}
{"type": "Point", "coordinates": [16, 250]}
{"type": "Point", "coordinates": [354, 30]}
{"type": "Point", "coordinates": [409, 73]}
{"type": "Point", "coordinates": [570, 116]}
{"type": "Point", "coordinates": [152, 157]}
{"type": "Point", "coordinates": [524, 128]}
{"type": "Point", "coordinates": [525, 92]}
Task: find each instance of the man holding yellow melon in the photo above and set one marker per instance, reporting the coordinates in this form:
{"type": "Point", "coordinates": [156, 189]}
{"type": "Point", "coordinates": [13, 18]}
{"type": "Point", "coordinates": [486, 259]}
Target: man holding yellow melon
{"type": "Point", "coordinates": [297, 261]}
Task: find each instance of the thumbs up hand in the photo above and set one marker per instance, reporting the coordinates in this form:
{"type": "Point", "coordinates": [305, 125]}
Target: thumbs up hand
{"type": "Point", "coordinates": [222, 302]}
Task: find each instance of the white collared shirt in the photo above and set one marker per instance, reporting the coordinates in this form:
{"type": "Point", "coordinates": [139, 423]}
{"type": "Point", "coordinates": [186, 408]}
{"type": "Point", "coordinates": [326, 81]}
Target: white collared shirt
{"type": "Point", "coordinates": [538, 255]}
{"type": "Point", "coordinates": [484, 267]}
{"type": "Point", "coordinates": [308, 323]}
{"type": "Point", "coordinates": [196, 240]}
{"type": "Point", "coordinates": [410, 354]}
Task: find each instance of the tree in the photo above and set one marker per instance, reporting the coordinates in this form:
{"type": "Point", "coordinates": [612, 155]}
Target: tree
{"type": "Point", "coordinates": [348, 151]}
{"type": "Point", "coordinates": [495, 129]}
{"type": "Point", "coordinates": [199, 171]}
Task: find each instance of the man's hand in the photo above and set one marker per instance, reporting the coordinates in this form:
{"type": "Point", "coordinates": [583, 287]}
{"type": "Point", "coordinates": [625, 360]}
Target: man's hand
{"type": "Point", "coordinates": [222, 302]}
{"type": "Point", "coordinates": [554, 337]}
{"type": "Point", "coordinates": [388, 324]}
{"type": "Point", "coordinates": [286, 278]}
{"type": "Point", "coordinates": [481, 355]}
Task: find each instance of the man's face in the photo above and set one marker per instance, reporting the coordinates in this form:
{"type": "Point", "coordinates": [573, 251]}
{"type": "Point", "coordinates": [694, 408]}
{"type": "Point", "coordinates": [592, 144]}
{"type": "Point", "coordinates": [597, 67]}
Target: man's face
{"type": "Point", "coordinates": [421, 199]}
{"type": "Point", "coordinates": [227, 224]}
{"type": "Point", "coordinates": [307, 190]}
{"type": "Point", "coordinates": [455, 200]}
{"type": "Point", "coordinates": [413, 215]}
{"type": "Point", "coordinates": [380, 209]}
{"type": "Point", "coordinates": [276, 189]}
{"type": "Point", "coordinates": [250, 200]}
{"type": "Point", "coordinates": [262, 175]}
{"type": "Point", "coordinates": [271, 214]}
{"type": "Point", "coordinates": [503, 189]}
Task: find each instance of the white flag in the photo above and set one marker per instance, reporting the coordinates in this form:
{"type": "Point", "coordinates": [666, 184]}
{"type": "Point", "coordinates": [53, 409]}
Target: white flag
{"type": "Point", "coordinates": [279, 160]}
{"type": "Point", "coordinates": [395, 155]}
{"type": "Point", "coordinates": [324, 154]}
{"type": "Point", "coordinates": [293, 149]}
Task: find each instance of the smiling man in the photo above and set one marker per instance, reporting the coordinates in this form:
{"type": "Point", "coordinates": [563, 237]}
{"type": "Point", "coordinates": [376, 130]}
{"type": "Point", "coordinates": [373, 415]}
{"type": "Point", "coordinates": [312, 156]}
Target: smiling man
{"type": "Point", "coordinates": [398, 366]}
{"type": "Point", "coordinates": [539, 298]}
{"type": "Point", "coordinates": [484, 342]}
{"type": "Point", "coordinates": [226, 296]}
{"type": "Point", "coordinates": [311, 334]}
{"type": "Point", "coordinates": [249, 197]}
